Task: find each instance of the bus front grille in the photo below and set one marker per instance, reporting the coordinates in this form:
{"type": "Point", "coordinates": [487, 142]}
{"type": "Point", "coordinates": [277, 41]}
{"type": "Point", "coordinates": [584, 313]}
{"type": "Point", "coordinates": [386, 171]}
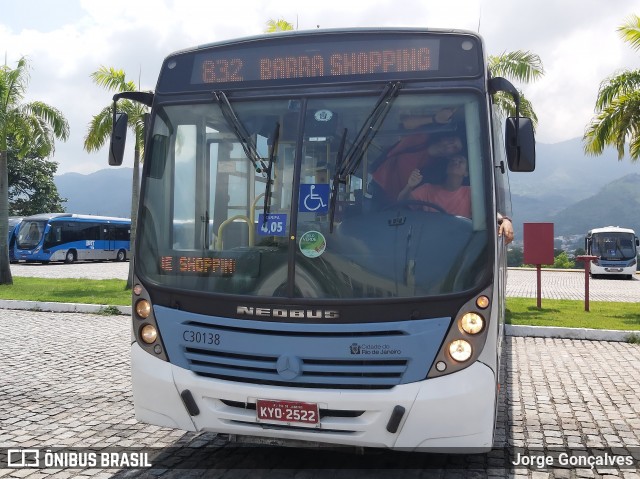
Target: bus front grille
{"type": "Point", "coordinates": [310, 372]}
{"type": "Point", "coordinates": [307, 355]}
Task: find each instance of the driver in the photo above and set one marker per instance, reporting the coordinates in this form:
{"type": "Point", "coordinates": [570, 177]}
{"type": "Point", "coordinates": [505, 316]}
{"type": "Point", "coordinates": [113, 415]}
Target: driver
{"type": "Point", "coordinates": [453, 196]}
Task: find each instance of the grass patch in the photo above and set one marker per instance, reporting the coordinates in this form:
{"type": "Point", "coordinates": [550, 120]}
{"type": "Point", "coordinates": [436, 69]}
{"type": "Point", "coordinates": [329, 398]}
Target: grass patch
{"type": "Point", "coordinates": [520, 311]}
{"type": "Point", "coordinates": [69, 290]}
{"type": "Point", "coordinates": [109, 311]}
{"type": "Point", "coordinates": [571, 314]}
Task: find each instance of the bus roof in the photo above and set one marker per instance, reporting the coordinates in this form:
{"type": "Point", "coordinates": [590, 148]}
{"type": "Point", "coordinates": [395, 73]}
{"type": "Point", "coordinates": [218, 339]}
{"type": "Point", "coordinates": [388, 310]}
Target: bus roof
{"type": "Point", "coordinates": [324, 32]}
{"type": "Point", "coordinates": [610, 229]}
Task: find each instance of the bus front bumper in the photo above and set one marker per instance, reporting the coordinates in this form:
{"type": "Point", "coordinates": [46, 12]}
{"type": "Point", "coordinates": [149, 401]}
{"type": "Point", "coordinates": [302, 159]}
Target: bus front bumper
{"type": "Point", "coordinates": [454, 411]}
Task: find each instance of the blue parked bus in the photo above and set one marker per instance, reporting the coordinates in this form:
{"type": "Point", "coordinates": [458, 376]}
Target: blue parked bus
{"type": "Point", "coordinates": [14, 222]}
{"type": "Point", "coordinates": [70, 237]}
{"type": "Point", "coordinates": [277, 291]}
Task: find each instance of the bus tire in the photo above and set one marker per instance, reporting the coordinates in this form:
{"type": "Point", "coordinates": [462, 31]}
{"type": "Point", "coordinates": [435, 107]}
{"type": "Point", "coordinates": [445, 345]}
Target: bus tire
{"type": "Point", "coordinates": [121, 256]}
{"type": "Point", "coordinates": [70, 257]}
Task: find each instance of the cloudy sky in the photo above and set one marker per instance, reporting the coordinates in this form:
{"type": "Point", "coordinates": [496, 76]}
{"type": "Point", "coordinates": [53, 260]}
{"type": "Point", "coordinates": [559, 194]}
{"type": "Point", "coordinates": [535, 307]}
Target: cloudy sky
{"type": "Point", "coordinates": [66, 40]}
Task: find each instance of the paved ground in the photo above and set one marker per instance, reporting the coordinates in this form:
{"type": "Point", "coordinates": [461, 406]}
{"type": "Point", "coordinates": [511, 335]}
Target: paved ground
{"type": "Point", "coordinates": [560, 284]}
{"type": "Point", "coordinates": [72, 389]}
{"type": "Point", "coordinates": [91, 270]}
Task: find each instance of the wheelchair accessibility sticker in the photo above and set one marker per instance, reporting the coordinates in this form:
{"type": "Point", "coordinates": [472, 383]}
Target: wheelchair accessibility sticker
{"type": "Point", "coordinates": [312, 244]}
{"type": "Point", "coordinates": [314, 198]}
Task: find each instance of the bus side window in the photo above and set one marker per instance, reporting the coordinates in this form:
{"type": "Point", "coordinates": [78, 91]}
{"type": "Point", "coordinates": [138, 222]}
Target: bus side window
{"type": "Point", "coordinates": [54, 236]}
{"type": "Point", "coordinates": [503, 196]}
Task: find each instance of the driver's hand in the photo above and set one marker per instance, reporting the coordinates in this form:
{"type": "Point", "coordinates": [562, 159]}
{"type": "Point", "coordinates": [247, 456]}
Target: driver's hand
{"type": "Point", "coordinates": [506, 230]}
{"type": "Point", "coordinates": [415, 178]}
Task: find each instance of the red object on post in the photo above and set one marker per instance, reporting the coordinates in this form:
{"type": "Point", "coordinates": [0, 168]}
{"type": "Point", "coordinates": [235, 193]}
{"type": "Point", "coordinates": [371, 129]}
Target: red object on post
{"type": "Point", "coordinates": [586, 259]}
{"type": "Point", "coordinates": [538, 249]}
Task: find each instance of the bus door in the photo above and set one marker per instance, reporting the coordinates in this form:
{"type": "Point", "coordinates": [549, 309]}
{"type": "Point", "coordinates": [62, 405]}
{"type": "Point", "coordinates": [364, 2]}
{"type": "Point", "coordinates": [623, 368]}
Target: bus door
{"type": "Point", "coordinates": [109, 236]}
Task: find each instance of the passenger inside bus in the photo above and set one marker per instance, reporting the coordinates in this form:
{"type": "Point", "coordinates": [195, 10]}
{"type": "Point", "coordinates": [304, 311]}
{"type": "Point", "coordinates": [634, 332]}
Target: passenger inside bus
{"type": "Point", "coordinates": [417, 151]}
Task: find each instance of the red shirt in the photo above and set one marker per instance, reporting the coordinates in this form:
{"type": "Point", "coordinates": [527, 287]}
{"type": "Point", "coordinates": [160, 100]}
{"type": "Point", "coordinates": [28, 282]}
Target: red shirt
{"type": "Point", "coordinates": [410, 153]}
{"type": "Point", "coordinates": [456, 202]}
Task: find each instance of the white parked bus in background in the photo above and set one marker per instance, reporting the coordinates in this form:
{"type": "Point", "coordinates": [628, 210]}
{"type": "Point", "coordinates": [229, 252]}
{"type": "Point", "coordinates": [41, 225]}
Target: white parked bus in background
{"type": "Point", "coordinates": [616, 249]}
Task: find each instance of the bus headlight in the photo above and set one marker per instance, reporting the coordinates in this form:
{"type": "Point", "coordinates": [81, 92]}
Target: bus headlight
{"type": "Point", "coordinates": [143, 308]}
{"type": "Point", "coordinates": [472, 323]}
{"type": "Point", "coordinates": [460, 350]}
{"type": "Point", "coordinates": [149, 334]}
{"type": "Point", "coordinates": [483, 302]}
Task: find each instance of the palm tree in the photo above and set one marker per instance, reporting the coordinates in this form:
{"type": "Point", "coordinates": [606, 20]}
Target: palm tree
{"type": "Point", "coordinates": [521, 66]}
{"type": "Point", "coordinates": [618, 105]}
{"type": "Point", "coordinates": [34, 127]}
{"type": "Point", "coordinates": [279, 25]}
{"type": "Point", "coordinates": [100, 132]}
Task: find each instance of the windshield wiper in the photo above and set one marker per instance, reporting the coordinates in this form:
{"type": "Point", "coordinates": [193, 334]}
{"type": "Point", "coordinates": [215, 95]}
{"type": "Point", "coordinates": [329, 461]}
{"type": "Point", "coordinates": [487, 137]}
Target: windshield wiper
{"type": "Point", "coordinates": [273, 151]}
{"type": "Point", "coordinates": [369, 129]}
{"type": "Point", "coordinates": [346, 167]}
{"type": "Point", "coordinates": [336, 181]}
{"type": "Point", "coordinates": [240, 131]}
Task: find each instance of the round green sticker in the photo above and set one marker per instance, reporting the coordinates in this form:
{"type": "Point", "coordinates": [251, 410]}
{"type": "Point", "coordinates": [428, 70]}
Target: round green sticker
{"type": "Point", "coordinates": [312, 244]}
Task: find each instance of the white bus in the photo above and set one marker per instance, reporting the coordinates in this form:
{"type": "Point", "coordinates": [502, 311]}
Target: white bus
{"type": "Point", "coordinates": [302, 303]}
{"type": "Point", "coordinates": [616, 249]}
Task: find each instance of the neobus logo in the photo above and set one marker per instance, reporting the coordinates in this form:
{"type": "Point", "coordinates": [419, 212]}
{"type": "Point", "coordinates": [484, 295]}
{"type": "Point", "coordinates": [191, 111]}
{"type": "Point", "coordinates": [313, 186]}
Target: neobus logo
{"type": "Point", "coordinates": [288, 313]}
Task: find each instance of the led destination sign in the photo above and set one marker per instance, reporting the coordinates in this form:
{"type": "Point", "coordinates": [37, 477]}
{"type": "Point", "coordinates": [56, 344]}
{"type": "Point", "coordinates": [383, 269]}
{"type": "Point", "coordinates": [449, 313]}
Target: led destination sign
{"type": "Point", "coordinates": [314, 64]}
{"type": "Point", "coordinates": [202, 266]}
{"type": "Point", "coordinates": [314, 58]}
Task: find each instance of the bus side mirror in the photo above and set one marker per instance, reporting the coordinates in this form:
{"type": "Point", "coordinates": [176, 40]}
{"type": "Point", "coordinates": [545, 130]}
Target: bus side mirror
{"type": "Point", "coordinates": [520, 144]}
{"type": "Point", "coordinates": [118, 139]}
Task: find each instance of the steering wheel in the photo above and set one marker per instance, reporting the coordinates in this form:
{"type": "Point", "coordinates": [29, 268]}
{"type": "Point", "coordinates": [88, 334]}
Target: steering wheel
{"type": "Point", "coordinates": [427, 204]}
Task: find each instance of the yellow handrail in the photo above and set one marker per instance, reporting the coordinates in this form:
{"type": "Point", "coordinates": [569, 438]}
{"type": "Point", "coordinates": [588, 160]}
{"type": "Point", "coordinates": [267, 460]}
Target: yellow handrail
{"type": "Point", "coordinates": [251, 221]}
{"type": "Point", "coordinates": [253, 208]}
{"type": "Point", "coordinates": [219, 243]}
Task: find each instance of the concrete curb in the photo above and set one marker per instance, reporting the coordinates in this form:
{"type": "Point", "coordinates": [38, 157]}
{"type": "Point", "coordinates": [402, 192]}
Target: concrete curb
{"type": "Point", "coordinates": [568, 333]}
{"type": "Point", "coordinates": [509, 329]}
{"type": "Point", "coordinates": [59, 307]}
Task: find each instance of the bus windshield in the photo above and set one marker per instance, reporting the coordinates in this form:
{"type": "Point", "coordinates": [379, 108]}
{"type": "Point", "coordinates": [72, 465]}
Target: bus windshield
{"type": "Point", "coordinates": [30, 234]}
{"type": "Point", "coordinates": [614, 246]}
{"type": "Point", "coordinates": [336, 225]}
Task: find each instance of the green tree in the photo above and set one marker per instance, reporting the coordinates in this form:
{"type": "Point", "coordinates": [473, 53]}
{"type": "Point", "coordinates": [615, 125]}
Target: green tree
{"type": "Point", "coordinates": [31, 186]}
{"type": "Point", "coordinates": [562, 261]}
{"type": "Point", "coordinates": [519, 66]}
{"type": "Point", "coordinates": [279, 25]}
{"type": "Point", "coordinates": [99, 133]}
{"type": "Point", "coordinates": [34, 126]}
{"type": "Point", "coordinates": [617, 106]}
{"type": "Point", "coordinates": [515, 256]}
